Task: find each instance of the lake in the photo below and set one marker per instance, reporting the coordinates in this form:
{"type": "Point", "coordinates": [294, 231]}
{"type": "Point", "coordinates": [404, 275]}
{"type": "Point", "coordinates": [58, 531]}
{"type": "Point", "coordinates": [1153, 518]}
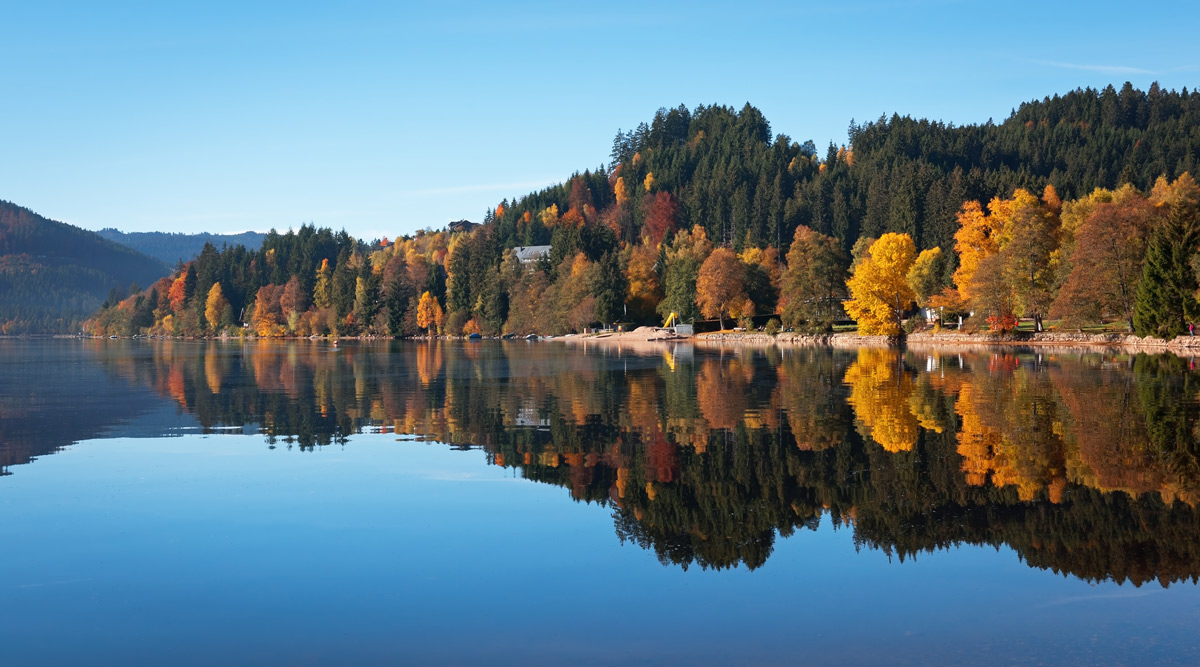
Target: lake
{"type": "Point", "coordinates": [520, 502]}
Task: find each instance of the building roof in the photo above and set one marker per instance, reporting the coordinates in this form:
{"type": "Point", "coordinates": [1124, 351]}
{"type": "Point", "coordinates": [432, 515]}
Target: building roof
{"type": "Point", "coordinates": [531, 253]}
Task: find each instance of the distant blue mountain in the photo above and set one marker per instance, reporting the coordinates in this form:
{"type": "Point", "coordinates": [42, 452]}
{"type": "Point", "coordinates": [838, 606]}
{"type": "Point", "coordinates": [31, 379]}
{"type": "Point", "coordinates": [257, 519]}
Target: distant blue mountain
{"type": "Point", "coordinates": [172, 248]}
{"type": "Point", "coordinates": [52, 275]}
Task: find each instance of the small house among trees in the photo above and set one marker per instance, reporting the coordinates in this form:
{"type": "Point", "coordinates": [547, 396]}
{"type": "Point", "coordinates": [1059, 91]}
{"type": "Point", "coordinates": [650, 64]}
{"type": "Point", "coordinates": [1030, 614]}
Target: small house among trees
{"type": "Point", "coordinates": [531, 253]}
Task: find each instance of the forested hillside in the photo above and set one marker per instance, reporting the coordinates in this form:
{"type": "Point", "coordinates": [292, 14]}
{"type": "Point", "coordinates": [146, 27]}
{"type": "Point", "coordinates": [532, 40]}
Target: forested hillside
{"type": "Point", "coordinates": [707, 214]}
{"type": "Point", "coordinates": [725, 171]}
{"type": "Point", "coordinates": [171, 248]}
{"type": "Point", "coordinates": [52, 275]}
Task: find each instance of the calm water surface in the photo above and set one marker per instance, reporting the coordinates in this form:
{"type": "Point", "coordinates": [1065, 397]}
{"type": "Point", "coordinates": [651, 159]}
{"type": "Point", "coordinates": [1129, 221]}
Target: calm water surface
{"type": "Point", "coordinates": [531, 503]}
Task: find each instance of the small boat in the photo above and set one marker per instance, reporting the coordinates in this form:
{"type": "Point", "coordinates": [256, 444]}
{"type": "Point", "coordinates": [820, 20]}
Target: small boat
{"type": "Point", "coordinates": [531, 337]}
{"type": "Point", "coordinates": [474, 336]}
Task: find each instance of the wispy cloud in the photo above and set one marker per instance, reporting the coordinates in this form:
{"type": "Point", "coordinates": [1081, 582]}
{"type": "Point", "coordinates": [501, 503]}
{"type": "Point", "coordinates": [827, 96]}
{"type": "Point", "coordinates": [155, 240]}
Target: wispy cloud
{"type": "Point", "coordinates": [1104, 69]}
{"type": "Point", "coordinates": [481, 187]}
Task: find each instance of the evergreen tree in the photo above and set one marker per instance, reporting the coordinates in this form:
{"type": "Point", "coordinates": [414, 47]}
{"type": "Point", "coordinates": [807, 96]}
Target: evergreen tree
{"type": "Point", "coordinates": [1166, 295]}
{"type": "Point", "coordinates": [189, 283]}
{"type": "Point", "coordinates": [342, 290]}
{"type": "Point", "coordinates": [680, 290]}
{"type": "Point", "coordinates": [610, 288]}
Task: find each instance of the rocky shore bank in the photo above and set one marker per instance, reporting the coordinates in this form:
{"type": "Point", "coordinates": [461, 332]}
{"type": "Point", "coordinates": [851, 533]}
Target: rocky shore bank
{"type": "Point", "coordinates": [1188, 345]}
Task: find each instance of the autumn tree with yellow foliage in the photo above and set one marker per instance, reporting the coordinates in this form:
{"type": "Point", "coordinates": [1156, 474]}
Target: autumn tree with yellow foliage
{"type": "Point", "coordinates": [429, 312]}
{"type": "Point", "coordinates": [215, 306]}
{"type": "Point", "coordinates": [879, 290]}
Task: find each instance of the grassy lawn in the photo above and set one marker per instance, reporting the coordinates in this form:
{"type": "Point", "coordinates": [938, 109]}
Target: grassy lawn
{"type": "Point", "coordinates": [1096, 328]}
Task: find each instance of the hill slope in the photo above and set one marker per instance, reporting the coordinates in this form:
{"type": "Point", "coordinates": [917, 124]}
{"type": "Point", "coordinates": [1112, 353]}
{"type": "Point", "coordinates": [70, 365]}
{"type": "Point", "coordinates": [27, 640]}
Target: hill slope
{"type": "Point", "coordinates": [723, 169]}
{"type": "Point", "coordinates": [172, 248]}
{"type": "Point", "coordinates": [53, 274]}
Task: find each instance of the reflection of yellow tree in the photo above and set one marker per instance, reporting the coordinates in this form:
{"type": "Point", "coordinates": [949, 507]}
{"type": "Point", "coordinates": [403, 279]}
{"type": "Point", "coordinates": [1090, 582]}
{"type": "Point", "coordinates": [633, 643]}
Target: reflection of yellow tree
{"type": "Point", "coordinates": [976, 442]}
{"type": "Point", "coordinates": [880, 393]}
{"type": "Point", "coordinates": [212, 369]}
{"type": "Point", "coordinates": [429, 362]}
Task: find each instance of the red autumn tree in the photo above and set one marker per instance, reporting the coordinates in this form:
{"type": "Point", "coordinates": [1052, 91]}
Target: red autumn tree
{"type": "Point", "coordinates": [659, 212]}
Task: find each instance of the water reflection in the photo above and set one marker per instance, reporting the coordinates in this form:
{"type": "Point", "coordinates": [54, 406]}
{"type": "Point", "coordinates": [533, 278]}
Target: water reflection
{"type": "Point", "coordinates": [1086, 464]}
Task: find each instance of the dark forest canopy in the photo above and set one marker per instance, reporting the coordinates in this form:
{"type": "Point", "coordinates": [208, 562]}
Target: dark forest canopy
{"type": "Point", "coordinates": [899, 174]}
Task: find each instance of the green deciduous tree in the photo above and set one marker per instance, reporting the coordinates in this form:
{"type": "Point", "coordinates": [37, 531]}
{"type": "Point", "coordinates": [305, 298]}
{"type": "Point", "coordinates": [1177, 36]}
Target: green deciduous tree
{"type": "Point", "coordinates": [814, 280]}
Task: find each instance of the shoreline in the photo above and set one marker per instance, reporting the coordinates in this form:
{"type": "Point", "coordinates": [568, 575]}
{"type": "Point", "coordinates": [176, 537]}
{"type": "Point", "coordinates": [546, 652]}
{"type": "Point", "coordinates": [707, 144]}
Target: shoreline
{"type": "Point", "coordinates": [1059, 341]}
{"type": "Point", "coordinates": [1050, 341]}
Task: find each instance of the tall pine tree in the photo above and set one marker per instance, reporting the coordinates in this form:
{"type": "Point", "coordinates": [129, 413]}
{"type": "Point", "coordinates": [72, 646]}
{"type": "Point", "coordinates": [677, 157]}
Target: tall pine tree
{"type": "Point", "coordinates": [1166, 296]}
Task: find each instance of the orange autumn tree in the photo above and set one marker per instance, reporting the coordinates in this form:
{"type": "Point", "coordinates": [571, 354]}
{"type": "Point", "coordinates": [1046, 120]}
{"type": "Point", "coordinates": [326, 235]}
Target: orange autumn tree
{"type": "Point", "coordinates": [978, 236]}
{"type": "Point", "coordinates": [429, 312]}
{"type": "Point", "coordinates": [266, 315]}
{"type": "Point", "coordinates": [645, 289]}
{"type": "Point", "coordinates": [721, 286]}
{"type": "Point", "coordinates": [1074, 213]}
{"type": "Point", "coordinates": [177, 294]}
{"type": "Point", "coordinates": [1024, 233]}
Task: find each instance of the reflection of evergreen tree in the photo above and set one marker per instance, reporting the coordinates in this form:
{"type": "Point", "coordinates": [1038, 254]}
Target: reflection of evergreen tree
{"type": "Point", "coordinates": [1168, 393]}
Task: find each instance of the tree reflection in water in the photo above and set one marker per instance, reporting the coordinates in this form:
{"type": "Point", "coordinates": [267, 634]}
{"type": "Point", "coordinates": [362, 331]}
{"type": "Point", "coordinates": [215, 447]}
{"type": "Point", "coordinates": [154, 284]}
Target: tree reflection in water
{"type": "Point", "coordinates": [1086, 464]}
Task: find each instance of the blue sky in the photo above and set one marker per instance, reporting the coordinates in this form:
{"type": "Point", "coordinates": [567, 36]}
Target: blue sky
{"type": "Point", "coordinates": [384, 118]}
